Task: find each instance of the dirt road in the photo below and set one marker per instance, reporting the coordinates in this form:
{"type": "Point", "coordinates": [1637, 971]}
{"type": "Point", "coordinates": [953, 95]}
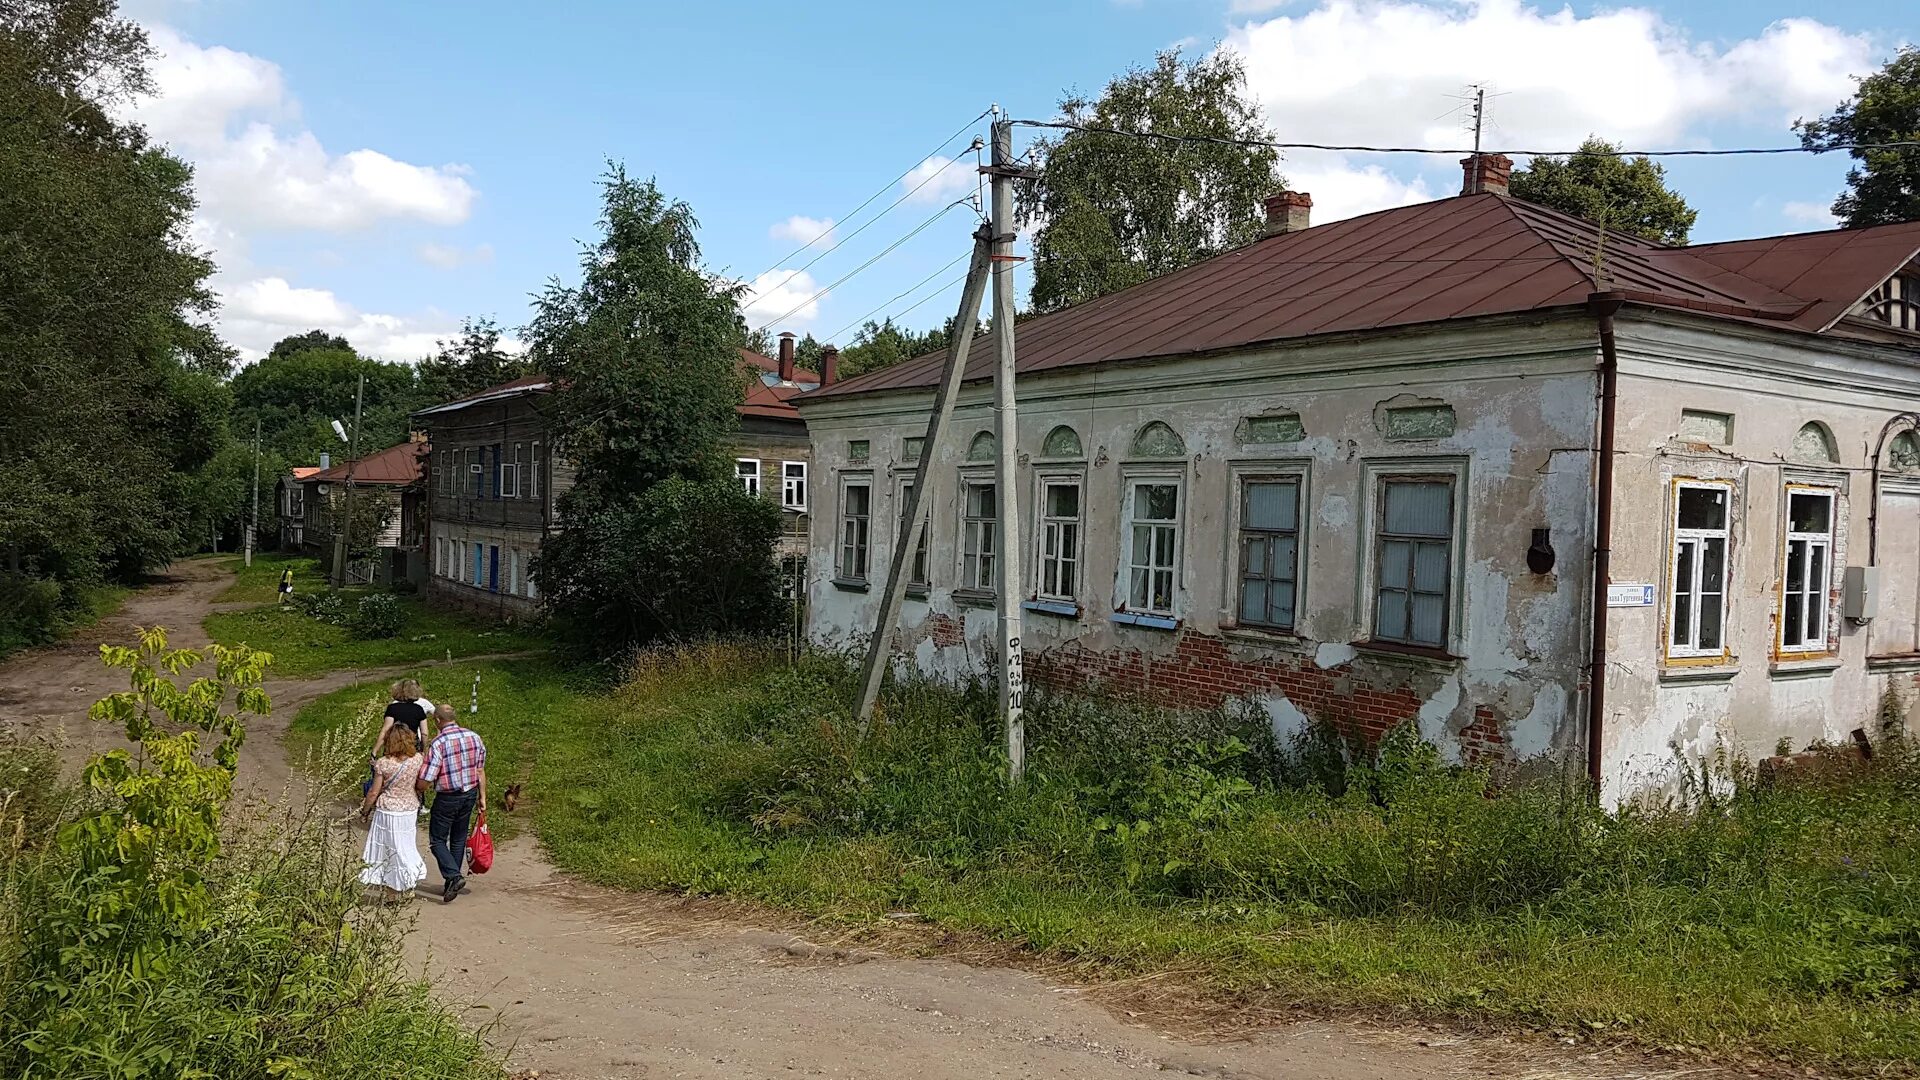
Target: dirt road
{"type": "Point", "coordinates": [582, 983]}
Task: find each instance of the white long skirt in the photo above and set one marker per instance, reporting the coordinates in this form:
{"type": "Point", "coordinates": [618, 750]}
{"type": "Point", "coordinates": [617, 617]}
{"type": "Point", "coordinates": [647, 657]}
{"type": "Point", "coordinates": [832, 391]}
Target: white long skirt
{"type": "Point", "coordinates": [392, 853]}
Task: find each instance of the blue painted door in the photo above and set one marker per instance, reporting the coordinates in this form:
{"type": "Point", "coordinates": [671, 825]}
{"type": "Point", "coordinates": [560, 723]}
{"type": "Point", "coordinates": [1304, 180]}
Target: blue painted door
{"type": "Point", "coordinates": [493, 569]}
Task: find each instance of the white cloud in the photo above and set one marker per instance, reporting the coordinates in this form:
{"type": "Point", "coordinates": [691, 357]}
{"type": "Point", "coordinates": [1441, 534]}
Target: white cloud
{"type": "Point", "coordinates": [1343, 188]}
{"type": "Point", "coordinates": [1377, 72]}
{"type": "Point", "coordinates": [801, 229]}
{"type": "Point", "coordinates": [256, 313]}
{"type": "Point", "coordinates": [228, 113]}
{"type": "Point", "coordinates": [1818, 215]}
{"type": "Point", "coordinates": [945, 180]}
{"type": "Point", "coordinates": [775, 293]}
{"type": "Point", "coordinates": [450, 257]}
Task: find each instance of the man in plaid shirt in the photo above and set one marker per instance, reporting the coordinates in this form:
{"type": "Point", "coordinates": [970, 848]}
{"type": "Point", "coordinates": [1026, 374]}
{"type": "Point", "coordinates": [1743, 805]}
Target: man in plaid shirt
{"type": "Point", "coordinates": [456, 773]}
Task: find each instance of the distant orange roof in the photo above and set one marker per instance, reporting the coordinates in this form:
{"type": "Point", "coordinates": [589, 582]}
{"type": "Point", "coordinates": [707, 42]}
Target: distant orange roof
{"type": "Point", "coordinates": [396, 466]}
{"type": "Point", "coordinates": [301, 472]}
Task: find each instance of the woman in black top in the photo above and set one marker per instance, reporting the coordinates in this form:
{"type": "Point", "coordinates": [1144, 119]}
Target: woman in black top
{"type": "Point", "coordinates": [409, 710]}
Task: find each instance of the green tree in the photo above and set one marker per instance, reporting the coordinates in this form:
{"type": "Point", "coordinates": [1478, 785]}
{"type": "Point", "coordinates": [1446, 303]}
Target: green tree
{"type": "Point", "coordinates": [644, 350]}
{"type": "Point", "coordinates": [882, 345]}
{"type": "Point", "coordinates": [469, 363]}
{"type": "Point", "coordinates": [308, 342]}
{"type": "Point", "coordinates": [1113, 211]}
{"type": "Point", "coordinates": [111, 375]}
{"type": "Point", "coordinates": [297, 395]}
{"type": "Point", "coordinates": [1596, 183]}
{"type": "Point", "coordinates": [1883, 186]}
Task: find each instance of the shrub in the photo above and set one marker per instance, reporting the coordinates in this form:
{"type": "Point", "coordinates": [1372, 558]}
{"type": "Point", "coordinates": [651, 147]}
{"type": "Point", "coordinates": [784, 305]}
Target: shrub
{"type": "Point", "coordinates": [377, 615]}
{"type": "Point", "coordinates": [328, 606]}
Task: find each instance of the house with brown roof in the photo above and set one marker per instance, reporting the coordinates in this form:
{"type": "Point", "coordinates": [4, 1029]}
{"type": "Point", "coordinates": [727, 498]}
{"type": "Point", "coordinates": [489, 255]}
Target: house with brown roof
{"type": "Point", "coordinates": [290, 504]}
{"type": "Point", "coordinates": [494, 482]}
{"type": "Point", "coordinates": [390, 478]}
{"type": "Point", "coordinates": [1548, 492]}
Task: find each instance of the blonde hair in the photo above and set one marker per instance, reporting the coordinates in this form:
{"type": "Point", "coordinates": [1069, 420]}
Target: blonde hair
{"type": "Point", "coordinates": [400, 742]}
{"type": "Point", "coordinates": [405, 690]}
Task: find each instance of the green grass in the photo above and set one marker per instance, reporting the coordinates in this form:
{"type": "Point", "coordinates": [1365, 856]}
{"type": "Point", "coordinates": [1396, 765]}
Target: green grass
{"type": "Point", "coordinates": [260, 583]}
{"type": "Point", "coordinates": [302, 646]}
{"type": "Point", "coordinates": [1777, 925]}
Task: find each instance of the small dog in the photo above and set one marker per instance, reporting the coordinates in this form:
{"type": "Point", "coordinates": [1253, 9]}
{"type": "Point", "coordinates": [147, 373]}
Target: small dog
{"type": "Point", "coordinates": [513, 797]}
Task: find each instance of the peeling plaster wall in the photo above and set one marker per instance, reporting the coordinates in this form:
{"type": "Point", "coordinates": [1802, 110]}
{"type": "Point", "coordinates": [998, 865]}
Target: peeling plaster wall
{"type": "Point", "coordinates": [1661, 714]}
{"type": "Point", "coordinates": [1522, 398]}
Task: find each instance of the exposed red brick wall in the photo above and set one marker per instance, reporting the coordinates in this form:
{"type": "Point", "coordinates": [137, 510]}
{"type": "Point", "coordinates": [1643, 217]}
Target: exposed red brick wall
{"type": "Point", "coordinates": [1202, 673]}
{"type": "Point", "coordinates": [946, 631]}
{"type": "Point", "coordinates": [1482, 742]}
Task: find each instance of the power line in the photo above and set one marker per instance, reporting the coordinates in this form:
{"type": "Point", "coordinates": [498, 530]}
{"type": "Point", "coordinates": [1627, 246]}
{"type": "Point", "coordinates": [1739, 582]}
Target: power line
{"type": "Point", "coordinates": [883, 253]}
{"type": "Point", "coordinates": [1220, 140]}
{"type": "Point", "coordinates": [904, 293]}
{"type": "Point", "coordinates": [903, 312]}
{"type": "Point", "coordinates": [884, 188]}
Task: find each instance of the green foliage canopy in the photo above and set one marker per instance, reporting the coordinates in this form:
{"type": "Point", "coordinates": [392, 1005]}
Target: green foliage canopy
{"type": "Point", "coordinates": [1113, 211]}
{"type": "Point", "coordinates": [1596, 183]}
{"type": "Point", "coordinates": [1883, 186]}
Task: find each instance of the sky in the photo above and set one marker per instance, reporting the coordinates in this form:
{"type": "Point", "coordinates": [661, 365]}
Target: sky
{"type": "Point", "coordinates": [384, 170]}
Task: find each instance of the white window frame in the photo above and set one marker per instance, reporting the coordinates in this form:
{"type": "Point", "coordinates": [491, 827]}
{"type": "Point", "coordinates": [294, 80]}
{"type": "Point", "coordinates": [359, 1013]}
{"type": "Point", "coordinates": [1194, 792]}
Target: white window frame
{"type": "Point", "coordinates": [1815, 598]}
{"type": "Point", "coordinates": [862, 541]}
{"type": "Point", "coordinates": [1269, 472]}
{"type": "Point", "coordinates": [1677, 537]}
{"type": "Point", "coordinates": [1047, 529]}
{"type": "Point", "coordinates": [749, 478]}
{"type": "Point", "coordinates": [979, 537]}
{"type": "Point", "coordinates": [533, 459]}
{"type": "Point", "coordinates": [922, 560]}
{"type": "Point", "coordinates": [1123, 584]}
{"type": "Point", "coordinates": [510, 474]}
{"type": "Point", "coordinates": [1374, 473]}
{"type": "Point", "coordinates": [793, 485]}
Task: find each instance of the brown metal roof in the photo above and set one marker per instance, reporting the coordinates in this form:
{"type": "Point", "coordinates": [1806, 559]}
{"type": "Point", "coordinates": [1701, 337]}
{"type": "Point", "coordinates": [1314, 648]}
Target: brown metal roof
{"type": "Point", "coordinates": [772, 399]}
{"type": "Point", "coordinates": [396, 466]}
{"type": "Point", "coordinates": [1453, 258]}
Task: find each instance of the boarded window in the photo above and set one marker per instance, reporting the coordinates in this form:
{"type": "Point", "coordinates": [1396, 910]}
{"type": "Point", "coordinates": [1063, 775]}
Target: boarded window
{"type": "Point", "coordinates": [1895, 631]}
{"type": "Point", "coordinates": [1701, 426]}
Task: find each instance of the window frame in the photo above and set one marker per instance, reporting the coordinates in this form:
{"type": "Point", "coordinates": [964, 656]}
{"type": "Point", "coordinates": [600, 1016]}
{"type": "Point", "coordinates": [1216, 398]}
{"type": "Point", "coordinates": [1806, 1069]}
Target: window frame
{"type": "Point", "coordinates": [1043, 523]}
{"type": "Point", "coordinates": [1131, 481]}
{"type": "Point", "coordinates": [533, 459]}
{"type": "Point", "coordinates": [920, 566]}
{"type": "Point", "coordinates": [1828, 542]}
{"type": "Point", "coordinates": [989, 535]}
{"type": "Point", "coordinates": [750, 481]}
{"type": "Point", "coordinates": [841, 519]}
{"type": "Point", "coordinates": [1692, 653]}
{"type": "Point", "coordinates": [510, 474]}
{"type": "Point", "coordinates": [788, 484]}
{"type": "Point", "coordinates": [1269, 472]}
{"type": "Point", "coordinates": [1375, 473]}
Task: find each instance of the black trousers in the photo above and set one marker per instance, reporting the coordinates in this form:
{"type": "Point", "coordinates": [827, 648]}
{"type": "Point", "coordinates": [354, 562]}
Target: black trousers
{"type": "Point", "coordinates": [447, 824]}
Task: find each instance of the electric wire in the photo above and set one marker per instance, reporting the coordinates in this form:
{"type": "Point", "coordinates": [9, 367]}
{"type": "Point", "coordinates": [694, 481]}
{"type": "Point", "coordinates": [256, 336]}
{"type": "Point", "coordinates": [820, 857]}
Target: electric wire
{"type": "Point", "coordinates": [883, 253]}
{"type": "Point", "coordinates": [1221, 140]}
{"type": "Point", "coordinates": [904, 293]}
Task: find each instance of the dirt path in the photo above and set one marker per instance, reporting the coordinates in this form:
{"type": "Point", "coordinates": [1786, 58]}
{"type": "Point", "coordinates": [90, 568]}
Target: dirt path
{"type": "Point", "coordinates": [583, 983]}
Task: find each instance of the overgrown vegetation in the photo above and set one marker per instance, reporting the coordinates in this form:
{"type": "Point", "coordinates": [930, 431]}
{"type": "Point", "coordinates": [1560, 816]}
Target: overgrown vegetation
{"type": "Point", "coordinates": [1769, 922]}
{"type": "Point", "coordinates": [144, 931]}
{"type": "Point", "coordinates": [349, 628]}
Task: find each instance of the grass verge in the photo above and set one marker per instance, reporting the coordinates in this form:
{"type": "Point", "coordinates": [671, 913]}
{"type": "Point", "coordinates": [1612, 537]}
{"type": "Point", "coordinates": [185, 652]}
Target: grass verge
{"type": "Point", "coordinates": [303, 646]}
{"type": "Point", "coordinates": [1759, 925]}
{"type": "Point", "coordinates": [260, 583]}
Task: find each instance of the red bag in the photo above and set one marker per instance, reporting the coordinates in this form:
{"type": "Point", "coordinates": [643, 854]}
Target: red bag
{"type": "Point", "coordinates": [480, 846]}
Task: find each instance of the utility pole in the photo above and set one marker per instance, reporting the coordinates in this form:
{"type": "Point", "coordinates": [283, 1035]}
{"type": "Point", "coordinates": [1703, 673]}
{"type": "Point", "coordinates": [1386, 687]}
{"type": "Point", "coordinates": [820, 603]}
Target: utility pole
{"type": "Point", "coordinates": [1006, 475]}
{"type": "Point", "coordinates": [346, 523]}
{"type": "Point", "coordinates": [912, 520]}
{"type": "Point", "coordinates": [253, 518]}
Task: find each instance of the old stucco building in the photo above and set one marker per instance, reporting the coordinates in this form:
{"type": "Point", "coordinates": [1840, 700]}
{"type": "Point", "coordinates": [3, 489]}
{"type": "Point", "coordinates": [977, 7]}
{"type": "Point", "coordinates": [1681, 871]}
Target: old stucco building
{"type": "Point", "coordinates": [1351, 473]}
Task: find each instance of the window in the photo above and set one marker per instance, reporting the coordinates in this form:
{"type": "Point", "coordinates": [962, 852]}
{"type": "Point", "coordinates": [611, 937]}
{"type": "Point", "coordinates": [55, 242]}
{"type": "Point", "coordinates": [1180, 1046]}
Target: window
{"type": "Point", "coordinates": [510, 474]}
{"type": "Point", "coordinates": [533, 482]}
{"type": "Point", "coordinates": [1269, 550]}
{"type": "Point", "coordinates": [1059, 577]}
{"type": "Point", "coordinates": [793, 485]}
{"type": "Point", "coordinates": [1153, 545]}
{"type": "Point", "coordinates": [917, 569]}
{"type": "Point", "coordinates": [475, 472]}
{"type": "Point", "coordinates": [1696, 619]}
{"type": "Point", "coordinates": [1809, 568]}
{"type": "Point", "coordinates": [979, 524]}
{"type": "Point", "coordinates": [1896, 302]}
{"type": "Point", "coordinates": [748, 472]}
{"type": "Point", "coordinates": [1413, 561]}
{"type": "Point", "coordinates": [479, 574]}
{"type": "Point", "coordinates": [856, 513]}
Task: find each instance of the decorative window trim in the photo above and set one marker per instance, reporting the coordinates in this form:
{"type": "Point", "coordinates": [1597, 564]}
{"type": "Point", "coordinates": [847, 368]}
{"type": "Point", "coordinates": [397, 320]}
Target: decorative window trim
{"type": "Point", "coordinates": [1828, 544]}
{"type": "Point", "coordinates": [510, 474]}
{"type": "Point", "coordinates": [1288, 470]}
{"type": "Point", "coordinates": [1693, 655]}
{"type": "Point", "coordinates": [746, 470]}
{"type": "Point", "coordinates": [982, 448]}
{"type": "Point", "coordinates": [1055, 446]}
{"type": "Point", "coordinates": [1156, 440]}
{"type": "Point", "coordinates": [1131, 477]}
{"type": "Point", "coordinates": [1042, 480]}
{"type": "Point", "coordinates": [1373, 473]}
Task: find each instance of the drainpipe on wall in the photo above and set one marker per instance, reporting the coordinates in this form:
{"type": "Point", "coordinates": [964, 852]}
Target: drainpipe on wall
{"type": "Point", "coordinates": [1603, 305]}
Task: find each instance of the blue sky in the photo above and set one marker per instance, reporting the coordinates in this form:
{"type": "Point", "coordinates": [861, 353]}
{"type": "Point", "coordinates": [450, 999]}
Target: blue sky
{"type": "Point", "coordinates": [385, 169]}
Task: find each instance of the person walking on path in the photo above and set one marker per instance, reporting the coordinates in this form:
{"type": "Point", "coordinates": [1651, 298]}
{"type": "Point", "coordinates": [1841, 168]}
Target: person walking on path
{"type": "Point", "coordinates": [456, 773]}
{"type": "Point", "coordinates": [286, 585]}
{"type": "Point", "coordinates": [391, 809]}
{"type": "Point", "coordinates": [409, 710]}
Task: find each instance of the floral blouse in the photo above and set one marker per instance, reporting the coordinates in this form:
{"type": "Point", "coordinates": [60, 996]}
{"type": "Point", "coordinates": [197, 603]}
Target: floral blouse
{"type": "Point", "coordinates": [398, 794]}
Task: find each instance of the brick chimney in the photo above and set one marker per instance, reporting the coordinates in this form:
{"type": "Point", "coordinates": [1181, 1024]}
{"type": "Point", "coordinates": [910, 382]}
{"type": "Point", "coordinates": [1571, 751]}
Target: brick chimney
{"type": "Point", "coordinates": [1486, 174]}
{"type": "Point", "coordinates": [829, 366]}
{"type": "Point", "coordinates": [1288, 212]}
{"type": "Point", "coordinates": [786, 356]}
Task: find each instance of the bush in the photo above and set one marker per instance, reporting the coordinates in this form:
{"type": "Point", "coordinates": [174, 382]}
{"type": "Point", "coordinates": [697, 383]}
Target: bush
{"type": "Point", "coordinates": [377, 615]}
{"type": "Point", "coordinates": [141, 934]}
{"type": "Point", "coordinates": [328, 606]}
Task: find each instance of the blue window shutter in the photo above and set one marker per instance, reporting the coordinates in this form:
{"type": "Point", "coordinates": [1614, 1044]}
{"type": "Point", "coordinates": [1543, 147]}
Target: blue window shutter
{"type": "Point", "coordinates": [476, 564]}
{"type": "Point", "coordinates": [493, 569]}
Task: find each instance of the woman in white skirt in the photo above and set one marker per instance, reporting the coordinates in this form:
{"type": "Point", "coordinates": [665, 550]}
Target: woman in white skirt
{"type": "Point", "coordinates": [392, 808]}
